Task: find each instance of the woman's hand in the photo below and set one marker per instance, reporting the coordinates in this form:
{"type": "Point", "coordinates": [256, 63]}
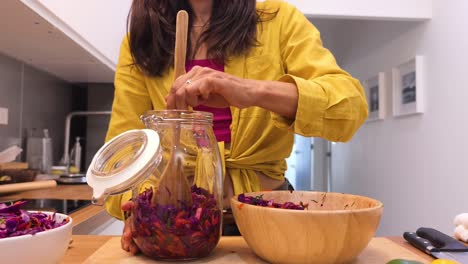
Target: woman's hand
{"type": "Point", "coordinates": [126, 240]}
{"type": "Point", "coordinates": [205, 86]}
{"type": "Point", "coordinates": [211, 88]}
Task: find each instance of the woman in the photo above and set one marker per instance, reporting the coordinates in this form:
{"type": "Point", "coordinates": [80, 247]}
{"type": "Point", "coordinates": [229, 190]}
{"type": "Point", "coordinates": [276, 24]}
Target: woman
{"type": "Point", "coordinates": [260, 67]}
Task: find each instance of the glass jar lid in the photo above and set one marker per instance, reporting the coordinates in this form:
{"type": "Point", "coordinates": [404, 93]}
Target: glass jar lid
{"type": "Point", "coordinates": [123, 162]}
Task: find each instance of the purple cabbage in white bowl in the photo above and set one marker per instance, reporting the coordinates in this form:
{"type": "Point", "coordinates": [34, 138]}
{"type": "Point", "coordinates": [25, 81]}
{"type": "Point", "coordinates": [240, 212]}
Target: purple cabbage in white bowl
{"type": "Point", "coordinates": [31, 236]}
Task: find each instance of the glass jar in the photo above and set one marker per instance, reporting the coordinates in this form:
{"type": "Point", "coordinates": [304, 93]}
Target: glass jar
{"type": "Point", "coordinates": [173, 168]}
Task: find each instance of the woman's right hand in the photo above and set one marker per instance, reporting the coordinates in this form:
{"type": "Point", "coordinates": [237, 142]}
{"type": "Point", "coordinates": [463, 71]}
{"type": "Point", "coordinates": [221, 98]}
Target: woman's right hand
{"type": "Point", "coordinates": [126, 240]}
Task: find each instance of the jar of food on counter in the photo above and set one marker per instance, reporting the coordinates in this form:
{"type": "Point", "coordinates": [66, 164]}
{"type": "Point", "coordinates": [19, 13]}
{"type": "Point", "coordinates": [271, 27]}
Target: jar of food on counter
{"type": "Point", "coordinates": [173, 168]}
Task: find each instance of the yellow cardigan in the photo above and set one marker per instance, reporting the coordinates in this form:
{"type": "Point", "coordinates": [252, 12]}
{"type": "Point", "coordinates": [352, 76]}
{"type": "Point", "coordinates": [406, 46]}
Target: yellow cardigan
{"type": "Point", "coordinates": [331, 104]}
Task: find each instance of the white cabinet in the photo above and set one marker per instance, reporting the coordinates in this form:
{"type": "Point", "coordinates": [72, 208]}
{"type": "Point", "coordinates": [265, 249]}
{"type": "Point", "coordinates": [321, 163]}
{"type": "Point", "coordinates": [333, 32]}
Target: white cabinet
{"type": "Point", "coordinates": [366, 9]}
{"type": "Point", "coordinates": [79, 41]}
{"type": "Point", "coordinates": [33, 34]}
{"type": "Point", "coordinates": [98, 26]}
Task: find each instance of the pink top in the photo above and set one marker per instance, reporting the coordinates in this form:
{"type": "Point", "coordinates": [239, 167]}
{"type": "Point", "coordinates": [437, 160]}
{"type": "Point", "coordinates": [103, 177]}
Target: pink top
{"type": "Point", "coordinates": [221, 116]}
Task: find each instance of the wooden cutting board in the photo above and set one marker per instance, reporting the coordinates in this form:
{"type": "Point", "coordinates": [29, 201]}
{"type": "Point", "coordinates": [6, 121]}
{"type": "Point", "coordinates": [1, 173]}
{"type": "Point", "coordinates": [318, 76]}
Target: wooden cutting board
{"type": "Point", "coordinates": [235, 250]}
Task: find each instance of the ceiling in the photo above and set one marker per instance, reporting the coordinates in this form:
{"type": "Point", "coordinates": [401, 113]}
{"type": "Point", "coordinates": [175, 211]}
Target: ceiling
{"type": "Point", "coordinates": [28, 37]}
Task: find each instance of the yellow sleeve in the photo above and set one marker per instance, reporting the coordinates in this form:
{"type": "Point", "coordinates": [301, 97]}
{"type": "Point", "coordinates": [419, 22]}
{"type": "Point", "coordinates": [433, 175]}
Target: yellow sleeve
{"type": "Point", "coordinates": [131, 97]}
{"type": "Point", "coordinates": [131, 100]}
{"type": "Point", "coordinates": [331, 104]}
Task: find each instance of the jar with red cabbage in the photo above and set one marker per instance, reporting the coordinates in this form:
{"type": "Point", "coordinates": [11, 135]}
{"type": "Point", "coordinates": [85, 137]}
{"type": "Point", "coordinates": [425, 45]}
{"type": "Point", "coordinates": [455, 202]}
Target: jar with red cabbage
{"type": "Point", "coordinates": [173, 168]}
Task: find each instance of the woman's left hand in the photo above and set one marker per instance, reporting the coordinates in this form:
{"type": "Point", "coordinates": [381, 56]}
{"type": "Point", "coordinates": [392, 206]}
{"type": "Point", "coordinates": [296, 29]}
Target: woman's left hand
{"type": "Point", "coordinates": [211, 88]}
{"type": "Point", "coordinates": [126, 240]}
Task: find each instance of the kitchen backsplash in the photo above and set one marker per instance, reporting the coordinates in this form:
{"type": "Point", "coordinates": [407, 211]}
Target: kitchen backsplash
{"type": "Point", "coordinates": [34, 99]}
{"type": "Point", "coordinates": [100, 98]}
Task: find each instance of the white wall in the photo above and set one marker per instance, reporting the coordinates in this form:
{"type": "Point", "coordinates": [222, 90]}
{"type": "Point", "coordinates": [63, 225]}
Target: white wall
{"type": "Point", "coordinates": [416, 165]}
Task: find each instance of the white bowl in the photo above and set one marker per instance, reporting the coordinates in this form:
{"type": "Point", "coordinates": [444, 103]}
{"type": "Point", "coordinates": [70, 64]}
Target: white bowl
{"type": "Point", "coordinates": [44, 247]}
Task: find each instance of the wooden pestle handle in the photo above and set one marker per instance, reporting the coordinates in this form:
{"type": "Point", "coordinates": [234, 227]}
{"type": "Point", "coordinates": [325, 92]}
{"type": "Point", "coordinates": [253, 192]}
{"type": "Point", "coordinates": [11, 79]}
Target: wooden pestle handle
{"type": "Point", "coordinates": [172, 178]}
{"type": "Point", "coordinates": [180, 50]}
{"type": "Point", "coordinates": [26, 186]}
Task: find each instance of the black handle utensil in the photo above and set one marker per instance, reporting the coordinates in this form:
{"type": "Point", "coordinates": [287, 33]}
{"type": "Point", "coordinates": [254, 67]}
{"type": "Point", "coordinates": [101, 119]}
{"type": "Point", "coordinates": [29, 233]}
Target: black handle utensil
{"type": "Point", "coordinates": [441, 241]}
{"type": "Point", "coordinates": [437, 244]}
{"type": "Point", "coordinates": [419, 242]}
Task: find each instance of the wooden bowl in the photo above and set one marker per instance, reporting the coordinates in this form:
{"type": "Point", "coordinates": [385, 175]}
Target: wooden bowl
{"type": "Point", "coordinates": [335, 228]}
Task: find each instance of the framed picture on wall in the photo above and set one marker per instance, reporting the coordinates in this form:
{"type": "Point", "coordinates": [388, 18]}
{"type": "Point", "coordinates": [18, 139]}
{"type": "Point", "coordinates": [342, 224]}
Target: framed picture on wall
{"type": "Point", "coordinates": [408, 87]}
{"type": "Point", "coordinates": [375, 92]}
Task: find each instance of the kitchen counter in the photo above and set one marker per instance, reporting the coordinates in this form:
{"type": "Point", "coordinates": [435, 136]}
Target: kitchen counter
{"type": "Point", "coordinates": [106, 249]}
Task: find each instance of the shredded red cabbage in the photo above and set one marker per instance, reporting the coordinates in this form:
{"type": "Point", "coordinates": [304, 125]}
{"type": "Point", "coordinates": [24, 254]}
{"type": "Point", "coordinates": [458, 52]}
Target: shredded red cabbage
{"type": "Point", "coordinates": [183, 232]}
{"type": "Point", "coordinates": [17, 222]}
{"type": "Point", "coordinates": [258, 200]}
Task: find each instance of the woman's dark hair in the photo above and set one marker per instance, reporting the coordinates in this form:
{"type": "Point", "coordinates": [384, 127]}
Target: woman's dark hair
{"type": "Point", "coordinates": [151, 28]}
